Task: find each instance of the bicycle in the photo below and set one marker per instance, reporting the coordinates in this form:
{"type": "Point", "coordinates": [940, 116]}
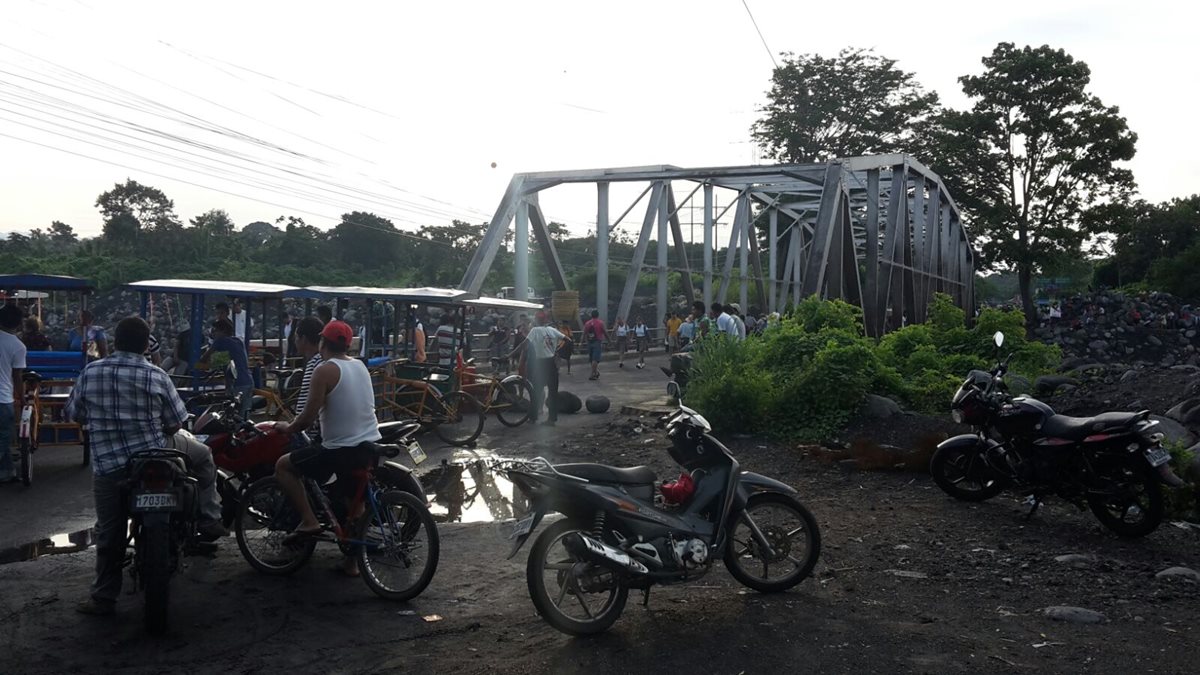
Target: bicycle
{"type": "Point", "coordinates": [387, 536]}
{"type": "Point", "coordinates": [30, 426]}
{"type": "Point", "coordinates": [456, 416]}
{"type": "Point", "coordinates": [510, 397]}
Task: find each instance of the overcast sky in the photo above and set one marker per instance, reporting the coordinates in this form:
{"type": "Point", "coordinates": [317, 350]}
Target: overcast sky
{"type": "Point", "coordinates": [318, 108]}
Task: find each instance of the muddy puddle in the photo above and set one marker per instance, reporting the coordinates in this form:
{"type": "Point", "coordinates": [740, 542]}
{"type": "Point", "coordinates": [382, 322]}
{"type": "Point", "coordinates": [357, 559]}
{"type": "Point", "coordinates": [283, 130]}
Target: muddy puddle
{"type": "Point", "coordinates": [71, 542]}
{"type": "Point", "coordinates": [466, 489]}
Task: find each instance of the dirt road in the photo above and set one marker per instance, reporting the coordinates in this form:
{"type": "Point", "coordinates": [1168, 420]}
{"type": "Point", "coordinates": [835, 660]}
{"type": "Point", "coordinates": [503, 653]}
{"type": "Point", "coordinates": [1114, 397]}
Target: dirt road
{"type": "Point", "coordinates": [910, 581]}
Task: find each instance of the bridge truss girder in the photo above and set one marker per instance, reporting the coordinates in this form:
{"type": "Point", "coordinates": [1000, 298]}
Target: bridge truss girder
{"type": "Point", "coordinates": [880, 232]}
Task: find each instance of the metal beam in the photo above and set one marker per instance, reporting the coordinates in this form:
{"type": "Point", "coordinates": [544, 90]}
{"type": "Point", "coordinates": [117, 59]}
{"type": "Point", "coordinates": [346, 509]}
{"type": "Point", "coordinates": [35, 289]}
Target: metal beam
{"type": "Point", "coordinates": [818, 256]}
{"type": "Point", "coordinates": [602, 250]}
{"type": "Point", "coordinates": [744, 254]}
{"type": "Point", "coordinates": [708, 245]}
{"type": "Point", "coordinates": [541, 232]}
{"type": "Point", "coordinates": [662, 249]}
{"type": "Point", "coordinates": [730, 252]}
{"type": "Point", "coordinates": [772, 236]}
{"type": "Point", "coordinates": [872, 319]}
{"type": "Point", "coordinates": [493, 238]}
{"type": "Point", "coordinates": [521, 251]}
{"type": "Point", "coordinates": [681, 253]}
{"type": "Point", "coordinates": [639, 252]}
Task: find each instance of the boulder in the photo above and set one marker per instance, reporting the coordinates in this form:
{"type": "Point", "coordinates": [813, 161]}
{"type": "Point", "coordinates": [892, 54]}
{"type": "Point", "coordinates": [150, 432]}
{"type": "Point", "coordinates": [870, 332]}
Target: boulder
{"type": "Point", "coordinates": [1173, 431]}
{"type": "Point", "coordinates": [1098, 346]}
{"type": "Point", "coordinates": [1047, 384]}
{"type": "Point", "coordinates": [1184, 410]}
{"type": "Point", "coordinates": [1073, 614]}
{"type": "Point", "coordinates": [1129, 375]}
{"type": "Point", "coordinates": [1153, 339]}
{"type": "Point", "coordinates": [1018, 384]}
{"type": "Point", "coordinates": [880, 407]}
{"type": "Point", "coordinates": [1182, 572]}
{"type": "Point", "coordinates": [568, 403]}
{"type": "Point", "coordinates": [597, 403]}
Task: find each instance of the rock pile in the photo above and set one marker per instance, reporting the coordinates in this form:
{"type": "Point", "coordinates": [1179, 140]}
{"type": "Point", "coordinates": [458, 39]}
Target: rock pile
{"type": "Point", "coordinates": [1150, 328]}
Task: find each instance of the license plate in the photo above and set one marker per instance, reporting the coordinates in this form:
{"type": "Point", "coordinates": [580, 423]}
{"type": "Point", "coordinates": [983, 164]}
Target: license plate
{"type": "Point", "coordinates": [522, 527]}
{"type": "Point", "coordinates": [418, 455]}
{"type": "Point", "coordinates": [1158, 456]}
{"type": "Point", "coordinates": [155, 501]}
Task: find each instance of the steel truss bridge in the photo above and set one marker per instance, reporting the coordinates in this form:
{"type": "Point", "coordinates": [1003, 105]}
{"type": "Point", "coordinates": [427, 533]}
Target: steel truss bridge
{"type": "Point", "coordinates": [880, 232]}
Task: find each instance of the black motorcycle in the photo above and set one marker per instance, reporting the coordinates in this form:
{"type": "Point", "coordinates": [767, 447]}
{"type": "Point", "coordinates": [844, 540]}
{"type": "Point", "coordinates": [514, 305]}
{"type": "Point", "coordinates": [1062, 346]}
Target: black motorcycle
{"type": "Point", "coordinates": [164, 508]}
{"type": "Point", "coordinates": [617, 535]}
{"type": "Point", "coordinates": [1114, 463]}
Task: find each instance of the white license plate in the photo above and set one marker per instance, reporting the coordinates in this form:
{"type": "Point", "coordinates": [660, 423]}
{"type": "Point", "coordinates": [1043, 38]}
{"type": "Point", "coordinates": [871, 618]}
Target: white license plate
{"type": "Point", "coordinates": [155, 501]}
{"type": "Point", "coordinates": [418, 455]}
{"type": "Point", "coordinates": [522, 527]}
{"type": "Point", "coordinates": [1158, 456]}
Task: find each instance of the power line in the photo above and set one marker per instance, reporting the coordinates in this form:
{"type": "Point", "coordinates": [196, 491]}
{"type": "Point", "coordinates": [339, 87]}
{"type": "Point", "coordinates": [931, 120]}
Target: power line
{"type": "Point", "coordinates": [760, 35]}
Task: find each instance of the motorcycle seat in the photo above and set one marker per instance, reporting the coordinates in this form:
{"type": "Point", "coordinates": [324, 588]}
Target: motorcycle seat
{"type": "Point", "coordinates": [393, 430]}
{"type": "Point", "coordinates": [602, 473]}
{"type": "Point", "coordinates": [1078, 428]}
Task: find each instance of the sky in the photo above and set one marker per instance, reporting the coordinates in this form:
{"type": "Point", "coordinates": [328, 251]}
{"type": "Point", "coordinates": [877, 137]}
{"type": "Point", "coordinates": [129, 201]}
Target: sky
{"type": "Point", "coordinates": [421, 112]}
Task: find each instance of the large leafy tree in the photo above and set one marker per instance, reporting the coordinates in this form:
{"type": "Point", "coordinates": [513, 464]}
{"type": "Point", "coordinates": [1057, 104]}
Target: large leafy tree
{"type": "Point", "coordinates": [1034, 154]}
{"type": "Point", "coordinates": [366, 239]}
{"type": "Point", "coordinates": [131, 208]}
{"type": "Point", "coordinates": [855, 103]}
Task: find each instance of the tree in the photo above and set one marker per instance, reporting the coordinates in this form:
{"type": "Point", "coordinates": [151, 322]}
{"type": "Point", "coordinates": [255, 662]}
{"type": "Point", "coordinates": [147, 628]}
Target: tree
{"type": "Point", "coordinates": [63, 234]}
{"type": "Point", "coordinates": [366, 239]}
{"type": "Point", "coordinates": [130, 207]}
{"type": "Point", "coordinates": [259, 232]}
{"type": "Point", "coordinates": [1034, 154]}
{"type": "Point", "coordinates": [214, 222]}
{"type": "Point", "coordinates": [856, 103]}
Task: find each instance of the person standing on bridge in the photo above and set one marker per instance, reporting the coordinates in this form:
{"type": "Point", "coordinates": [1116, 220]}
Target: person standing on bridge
{"type": "Point", "coordinates": [595, 335]}
{"type": "Point", "coordinates": [541, 345]}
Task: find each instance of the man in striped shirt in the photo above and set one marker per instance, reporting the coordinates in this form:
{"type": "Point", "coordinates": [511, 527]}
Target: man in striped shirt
{"type": "Point", "coordinates": [308, 343]}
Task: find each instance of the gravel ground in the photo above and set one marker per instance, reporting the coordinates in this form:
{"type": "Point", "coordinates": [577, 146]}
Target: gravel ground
{"type": "Point", "coordinates": [909, 581]}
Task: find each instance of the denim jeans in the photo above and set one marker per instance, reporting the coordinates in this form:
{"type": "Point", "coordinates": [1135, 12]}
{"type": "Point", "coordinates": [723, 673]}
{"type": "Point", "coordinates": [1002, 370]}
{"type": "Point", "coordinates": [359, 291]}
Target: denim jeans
{"type": "Point", "coordinates": [245, 400]}
{"type": "Point", "coordinates": [8, 419]}
{"type": "Point", "coordinates": [112, 527]}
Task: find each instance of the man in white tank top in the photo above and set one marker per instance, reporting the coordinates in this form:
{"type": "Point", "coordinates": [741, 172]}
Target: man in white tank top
{"type": "Point", "coordinates": [342, 396]}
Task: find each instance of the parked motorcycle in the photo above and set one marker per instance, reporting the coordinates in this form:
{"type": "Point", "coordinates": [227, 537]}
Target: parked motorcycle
{"type": "Point", "coordinates": [617, 535]}
{"type": "Point", "coordinates": [164, 510]}
{"type": "Point", "coordinates": [1114, 463]}
{"type": "Point", "coordinates": [245, 452]}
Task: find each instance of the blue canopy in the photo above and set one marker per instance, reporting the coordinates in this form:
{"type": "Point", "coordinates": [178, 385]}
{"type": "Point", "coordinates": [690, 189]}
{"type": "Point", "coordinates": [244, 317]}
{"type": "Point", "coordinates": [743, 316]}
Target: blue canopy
{"type": "Point", "coordinates": [45, 282]}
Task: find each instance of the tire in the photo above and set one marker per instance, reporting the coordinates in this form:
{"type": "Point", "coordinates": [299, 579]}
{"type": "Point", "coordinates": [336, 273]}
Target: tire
{"type": "Point", "coordinates": [396, 544]}
{"type": "Point", "coordinates": [952, 469]}
{"type": "Point", "coordinates": [156, 575]}
{"type": "Point", "coordinates": [738, 552]}
{"type": "Point", "coordinates": [26, 462]}
{"type": "Point", "coordinates": [516, 401]}
{"type": "Point", "coordinates": [462, 420]}
{"type": "Point", "coordinates": [545, 602]}
{"type": "Point", "coordinates": [1129, 474]}
{"type": "Point", "coordinates": [264, 518]}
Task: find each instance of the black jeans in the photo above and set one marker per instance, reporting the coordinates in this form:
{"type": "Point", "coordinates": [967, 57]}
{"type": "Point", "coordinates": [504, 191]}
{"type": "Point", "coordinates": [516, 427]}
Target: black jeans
{"type": "Point", "coordinates": [544, 373]}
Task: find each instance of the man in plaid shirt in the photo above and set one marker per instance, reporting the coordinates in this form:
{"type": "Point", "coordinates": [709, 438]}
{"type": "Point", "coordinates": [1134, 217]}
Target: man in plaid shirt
{"type": "Point", "coordinates": [129, 405]}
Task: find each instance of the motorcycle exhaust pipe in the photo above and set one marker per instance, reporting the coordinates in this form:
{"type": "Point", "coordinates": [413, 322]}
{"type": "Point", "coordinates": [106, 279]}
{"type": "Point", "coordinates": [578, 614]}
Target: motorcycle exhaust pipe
{"type": "Point", "coordinates": [1167, 476]}
{"type": "Point", "coordinates": [582, 546]}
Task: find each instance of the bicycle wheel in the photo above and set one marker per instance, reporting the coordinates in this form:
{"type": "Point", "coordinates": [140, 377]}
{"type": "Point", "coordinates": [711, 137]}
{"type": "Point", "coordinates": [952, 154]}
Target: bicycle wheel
{"type": "Point", "coordinates": [26, 462]}
{"type": "Point", "coordinates": [460, 419]}
{"type": "Point", "coordinates": [514, 402]}
{"type": "Point", "coordinates": [400, 553]}
{"type": "Point", "coordinates": [264, 518]}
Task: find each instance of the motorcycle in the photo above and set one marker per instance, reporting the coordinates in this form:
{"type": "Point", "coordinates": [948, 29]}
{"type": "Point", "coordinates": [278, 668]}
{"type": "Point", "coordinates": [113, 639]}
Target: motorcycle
{"type": "Point", "coordinates": [617, 535]}
{"type": "Point", "coordinates": [164, 509]}
{"type": "Point", "coordinates": [1113, 463]}
{"type": "Point", "coordinates": [678, 375]}
{"type": "Point", "coordinates": [245, 452]}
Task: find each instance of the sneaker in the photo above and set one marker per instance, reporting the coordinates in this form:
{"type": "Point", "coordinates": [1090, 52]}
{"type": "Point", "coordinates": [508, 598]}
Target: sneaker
{"type": "Point", "coordinates": [94, 607]}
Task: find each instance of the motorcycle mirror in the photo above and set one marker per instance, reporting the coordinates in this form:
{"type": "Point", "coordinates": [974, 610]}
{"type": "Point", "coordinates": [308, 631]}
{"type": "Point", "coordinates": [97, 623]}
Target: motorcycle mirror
{"type": "Point", "coordinates": [999, 339]}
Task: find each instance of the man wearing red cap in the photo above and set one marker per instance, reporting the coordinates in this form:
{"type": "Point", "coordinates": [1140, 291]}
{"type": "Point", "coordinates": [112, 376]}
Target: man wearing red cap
{"type": "Point", "coordinates": [342, 397]}
{"type": "Point", "coordinates": [542, 344]}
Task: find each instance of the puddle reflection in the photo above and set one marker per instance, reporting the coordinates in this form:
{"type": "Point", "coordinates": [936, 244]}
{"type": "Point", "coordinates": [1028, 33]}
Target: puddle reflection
{"type": "Point", "coordinates": [466, 489]}
{"type": "Point", "coordinates": [65, 542]}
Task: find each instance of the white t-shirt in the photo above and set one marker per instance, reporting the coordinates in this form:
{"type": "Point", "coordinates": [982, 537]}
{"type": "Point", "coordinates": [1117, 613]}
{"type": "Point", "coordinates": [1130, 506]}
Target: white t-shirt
{"type": "Point", "coordinates": [622, 330]}
{"type": "Point", "coordinates": [239, 325]}
{"type": "Point", "coordinates": [12, 356]}
{"type": "Point", "coordinates": [641, 330]}
{"type": "Point", "coordinates": [543, 342]}
{"type": "Point", "coordinates": [741, 327]}
{"type": "Point", "coordinates": [726, 324]}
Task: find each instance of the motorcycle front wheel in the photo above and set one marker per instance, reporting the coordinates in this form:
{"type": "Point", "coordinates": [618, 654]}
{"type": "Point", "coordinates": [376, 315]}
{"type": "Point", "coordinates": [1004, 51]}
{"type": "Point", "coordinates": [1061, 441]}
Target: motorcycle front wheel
{"type": "Point", "coordinates": [1130, 501]}
{"type": "Point", "coordinates": [572, 605]}
{"type": "Point", "coordinates": [961, 473]}
{"type": "Point", "coordinates": [791, 531]}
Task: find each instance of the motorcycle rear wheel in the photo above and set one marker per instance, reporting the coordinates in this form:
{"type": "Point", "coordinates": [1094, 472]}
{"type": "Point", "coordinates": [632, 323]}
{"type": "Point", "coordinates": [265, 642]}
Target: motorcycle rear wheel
{"type": "Point", "coordinates": [156, 575]}
{"type": "Point", "coordinates": [742, 550]}
{"type": "Point", "coordinates": [265, 517]}
{"type": "Point", "coordinates": [957, 472]}
{"type": "Point", "coordinates": [550, 602]}
{"type": "Point", "coordinates": [1141, 496]}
